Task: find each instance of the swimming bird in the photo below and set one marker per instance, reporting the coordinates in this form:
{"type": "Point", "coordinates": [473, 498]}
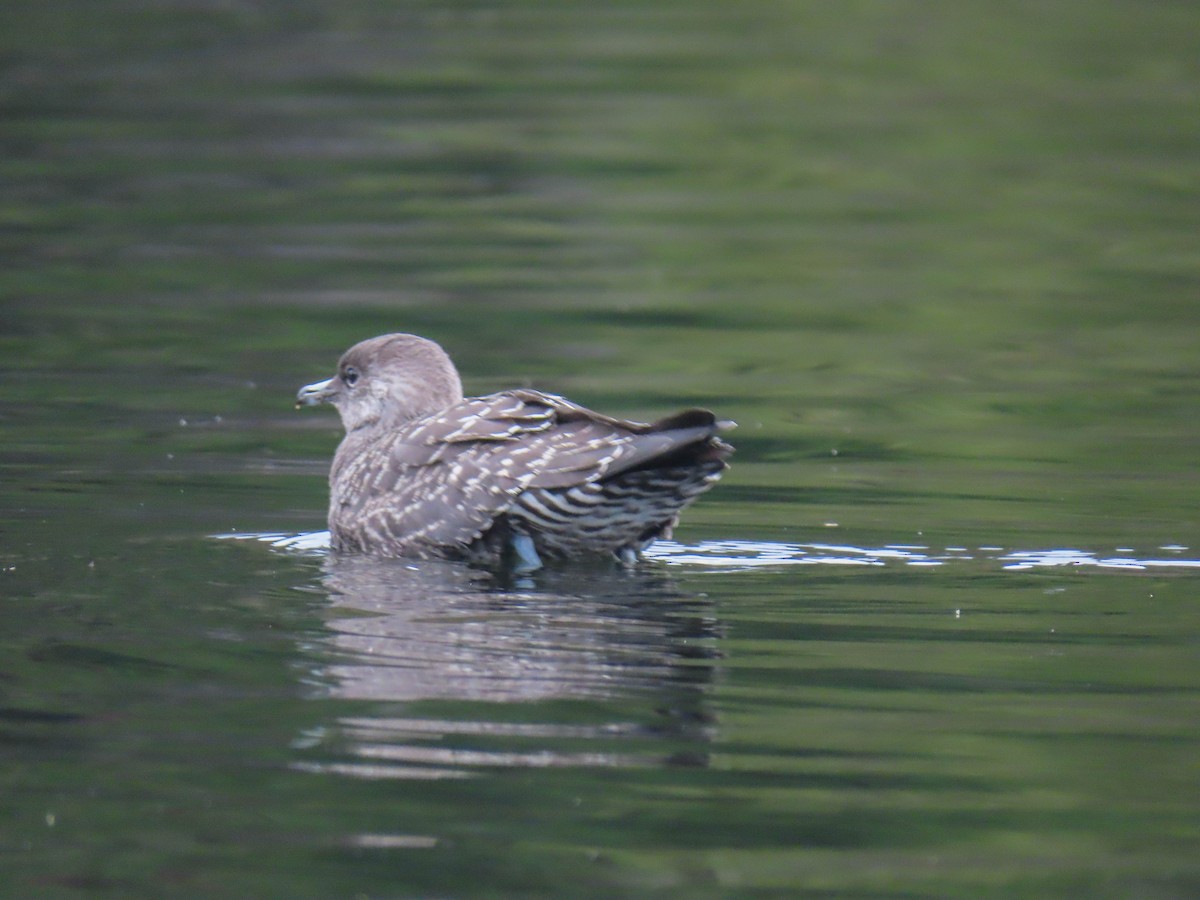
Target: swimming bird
{"type": "Point", "coordinates": [506, 478]}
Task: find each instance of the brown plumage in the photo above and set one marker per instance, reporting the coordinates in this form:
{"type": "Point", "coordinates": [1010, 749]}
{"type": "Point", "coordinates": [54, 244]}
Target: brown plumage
{"type": "Point", "coordinates": [423, 472]}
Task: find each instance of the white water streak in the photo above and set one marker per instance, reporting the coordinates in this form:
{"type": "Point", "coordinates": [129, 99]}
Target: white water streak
{"type": "Point", "coordinates": [752, 555]}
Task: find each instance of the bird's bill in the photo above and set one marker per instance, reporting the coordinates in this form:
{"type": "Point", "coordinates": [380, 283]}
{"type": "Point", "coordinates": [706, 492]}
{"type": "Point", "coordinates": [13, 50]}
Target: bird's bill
{"type": "Point", "coordinates": [312, 394]}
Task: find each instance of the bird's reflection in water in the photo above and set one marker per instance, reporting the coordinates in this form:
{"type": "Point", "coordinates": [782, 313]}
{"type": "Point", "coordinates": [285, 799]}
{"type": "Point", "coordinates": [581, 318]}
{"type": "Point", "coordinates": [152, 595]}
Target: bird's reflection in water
{"type": "Point", "coordinates": [586, 667]}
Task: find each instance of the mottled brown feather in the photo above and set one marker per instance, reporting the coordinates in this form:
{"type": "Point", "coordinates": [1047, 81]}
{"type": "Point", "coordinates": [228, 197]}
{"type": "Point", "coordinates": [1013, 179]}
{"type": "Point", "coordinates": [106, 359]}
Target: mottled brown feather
{"type": "Point", "coordinates": [447, 481]}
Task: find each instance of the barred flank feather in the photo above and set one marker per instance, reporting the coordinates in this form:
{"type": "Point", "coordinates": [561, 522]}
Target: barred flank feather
{"type": "Point", "coordinates": [424, 472]}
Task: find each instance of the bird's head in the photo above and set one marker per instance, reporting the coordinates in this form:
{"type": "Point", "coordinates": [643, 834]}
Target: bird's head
{"type": "Point", "coordinates": [387, 380]}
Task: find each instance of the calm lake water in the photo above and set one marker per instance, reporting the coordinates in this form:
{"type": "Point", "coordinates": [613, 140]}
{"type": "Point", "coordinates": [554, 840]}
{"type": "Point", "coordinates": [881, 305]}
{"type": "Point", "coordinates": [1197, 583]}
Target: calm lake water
{"type": "Point", "coordinates": [937, 632]}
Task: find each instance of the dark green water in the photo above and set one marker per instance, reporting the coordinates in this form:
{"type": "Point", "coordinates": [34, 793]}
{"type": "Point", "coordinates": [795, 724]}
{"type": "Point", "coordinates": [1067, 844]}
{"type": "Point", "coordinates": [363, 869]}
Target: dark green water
{"type": "Point", "coordinates": [938, 260]}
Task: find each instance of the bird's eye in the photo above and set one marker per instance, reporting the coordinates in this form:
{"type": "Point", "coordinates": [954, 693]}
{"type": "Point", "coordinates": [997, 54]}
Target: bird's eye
{"type": "Point", "coordinates": [350, 376]}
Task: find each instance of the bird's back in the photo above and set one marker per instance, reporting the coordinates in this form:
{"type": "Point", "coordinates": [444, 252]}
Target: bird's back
{"type": "Point", "coordinates": [464, 480]}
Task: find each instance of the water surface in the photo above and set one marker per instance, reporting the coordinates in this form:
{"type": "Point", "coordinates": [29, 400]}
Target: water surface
{"type": "Point", "coordinates": [933, 635]}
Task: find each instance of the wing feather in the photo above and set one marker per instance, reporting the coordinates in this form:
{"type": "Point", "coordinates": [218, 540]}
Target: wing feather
{"type": "Point", "coordinates": [442, 480]}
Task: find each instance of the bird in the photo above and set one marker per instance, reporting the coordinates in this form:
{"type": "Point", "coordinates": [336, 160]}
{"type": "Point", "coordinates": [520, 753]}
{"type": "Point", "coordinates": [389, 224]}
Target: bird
{"type": "Point", "coordinates": [504, 479]}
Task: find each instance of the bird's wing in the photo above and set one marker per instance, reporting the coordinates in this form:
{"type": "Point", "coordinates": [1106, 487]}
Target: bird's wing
{"type": "Point", "coordinates": [447, 477]}
{"type": "Point", "coordinates": [586, 446]}
{"type": "Point", "coordinates": [441, 480]}
{"type": "Point", "coordinates": [563, 444]}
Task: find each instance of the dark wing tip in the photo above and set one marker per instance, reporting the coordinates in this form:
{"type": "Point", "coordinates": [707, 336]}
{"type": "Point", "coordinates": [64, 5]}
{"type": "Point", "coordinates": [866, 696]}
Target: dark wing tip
{"type": "Point", "coordinates": [689, 418]}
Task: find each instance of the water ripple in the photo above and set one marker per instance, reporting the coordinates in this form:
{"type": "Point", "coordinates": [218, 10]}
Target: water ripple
{"type": "Point", "coordinates": [733, 555]}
